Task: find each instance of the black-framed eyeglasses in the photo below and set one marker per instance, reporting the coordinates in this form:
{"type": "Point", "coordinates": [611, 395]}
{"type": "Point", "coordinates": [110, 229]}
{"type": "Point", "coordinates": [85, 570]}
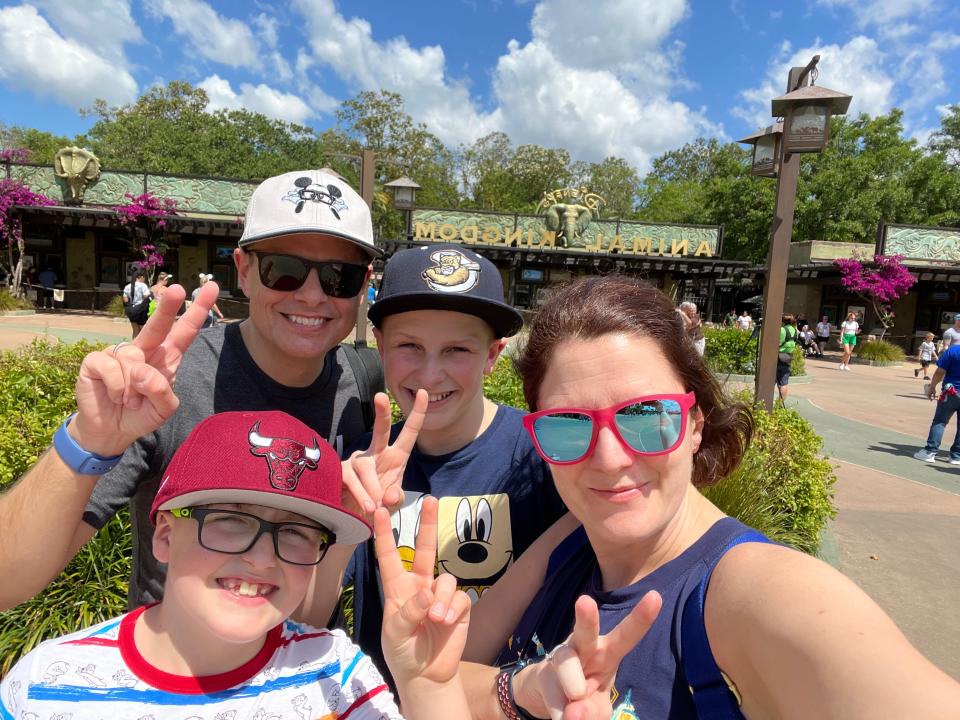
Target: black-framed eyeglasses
{"type": "Point", "coordinates": [286, 273]}
{"type": "Point", "coordinates": [234, 532]}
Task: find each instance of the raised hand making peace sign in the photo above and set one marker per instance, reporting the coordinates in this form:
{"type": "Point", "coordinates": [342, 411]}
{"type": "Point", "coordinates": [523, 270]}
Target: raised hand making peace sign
{"type": "Point", "coordinates": [126, 391]}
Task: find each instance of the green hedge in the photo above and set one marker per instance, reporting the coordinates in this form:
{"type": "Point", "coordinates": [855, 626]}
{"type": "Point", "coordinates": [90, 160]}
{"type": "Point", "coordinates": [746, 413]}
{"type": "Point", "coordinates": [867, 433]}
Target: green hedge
{"type": "Point", "coordinates": [734, 352]}
{"type": "Point", "coordinates": [880, 350]}
{"type": "Point", "coordinates": [9, 302]}
{"type": "Point", "coordinates": [36, 394]}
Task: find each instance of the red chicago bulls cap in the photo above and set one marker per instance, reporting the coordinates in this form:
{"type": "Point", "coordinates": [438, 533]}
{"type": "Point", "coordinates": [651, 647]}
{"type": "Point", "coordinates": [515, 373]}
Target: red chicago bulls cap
{"type": "Point", "coordinates": [262, 458]}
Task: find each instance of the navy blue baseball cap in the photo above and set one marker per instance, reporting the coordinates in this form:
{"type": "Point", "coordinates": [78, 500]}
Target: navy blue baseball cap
{"type": "Point", "coordinates": [444, 277]}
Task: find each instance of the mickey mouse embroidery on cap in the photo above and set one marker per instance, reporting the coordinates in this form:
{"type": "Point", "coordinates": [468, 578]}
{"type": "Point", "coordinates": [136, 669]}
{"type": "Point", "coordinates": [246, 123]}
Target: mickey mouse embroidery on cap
{"type": "Point", "coordinates": [307, 190]}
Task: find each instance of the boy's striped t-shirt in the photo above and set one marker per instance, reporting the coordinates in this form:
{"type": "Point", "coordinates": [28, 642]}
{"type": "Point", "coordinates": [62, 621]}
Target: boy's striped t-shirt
{"type": "Point", "coordinates": [301, 672]}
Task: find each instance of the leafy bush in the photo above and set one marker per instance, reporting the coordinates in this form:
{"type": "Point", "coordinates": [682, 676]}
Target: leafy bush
{"type": "Point", "coordinates": [9, 302]}
{"type": "Point", "coordinates": [880, 350]}
{"type": "Point", "coordinates": [36, 394]}
{"type": "Point", "coordinates": [734, 352]}
{"type": "Point", "coordinates": [783, 487]}
{"type": "Point", "coordinates": [116, 307]}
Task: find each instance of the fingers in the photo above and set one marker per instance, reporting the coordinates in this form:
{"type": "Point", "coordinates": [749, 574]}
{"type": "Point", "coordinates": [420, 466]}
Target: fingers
{"type": "Point", "coordinates": [381, 423]}
{"type": "Point", "coordinates": [444, 589]}
{"type": "Point", "coordinates": [586, 628]}
{"type": "Point", "coordinates": [407, 438]}
{"type": "Point", "coordinates": [360, 479]}
{"type": "Point", "coordinates": [159, 324]}
{"type": "Point", "coordinates": [186, 328]}
{"type": "Point", "coordinates": [552, 694]}
{"type": "Point", "coordinates": [425, 555]}
{"type": "Point", "coordinates": [391, 568]}
{"type": "Point", "coordinates": [569, 672]}
{"type": "Point", "coordinates": [625, 636]}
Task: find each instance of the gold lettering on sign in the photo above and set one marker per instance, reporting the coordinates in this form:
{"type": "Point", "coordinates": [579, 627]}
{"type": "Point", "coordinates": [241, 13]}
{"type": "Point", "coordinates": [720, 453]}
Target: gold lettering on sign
{"type": "Point", "coordinates": [469, 234]}
{"type": "Point", "coordinates": [515, 236]}
{"type": "Point", "coordinates": [680, 247]}
{"type": "Point", "coordinates": [491, 235]}
{"type": "Point", "coordinates": [548, 238]}
{"type": "Point", "coordinates": [703, 249]}
{"type": "Point", "coordinates": [617, 244]}
{"type": "Point", "coordinates": [425, 230]}
{"type": "Point", "coordinates": [642, 246]}
{"type": "Point", "coordinates": [448, 232]}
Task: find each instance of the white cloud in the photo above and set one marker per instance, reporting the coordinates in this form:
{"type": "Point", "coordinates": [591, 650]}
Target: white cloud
{"type": "Point", "coordinates": [211, 35]}
{"type": "Point", "coordinates": [256, 98]}
{"type": "Point", "coordinates": [38, 59]}
{"type": "Point", "coordinates": [104, 26]}
{"type": "Point", "coordinates": [883, 13]}
{"type": "Point", "coordinates": [601, 90]}
{"type": "Point", "coordinates": [856, 68]}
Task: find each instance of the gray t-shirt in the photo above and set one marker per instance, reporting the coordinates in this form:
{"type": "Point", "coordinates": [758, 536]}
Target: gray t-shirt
{"type": "Point", "coordinates": [951, 336]}
{"type": "Point", "coordinates": [216, 375]}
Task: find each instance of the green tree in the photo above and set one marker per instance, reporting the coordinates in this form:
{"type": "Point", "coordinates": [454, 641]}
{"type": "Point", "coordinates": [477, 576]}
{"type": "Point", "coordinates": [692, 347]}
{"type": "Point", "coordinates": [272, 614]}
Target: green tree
{"type": "Point", "coordinates": [947, 139]}
{"type": "Point", "coordinates": [614, 179]}
{"type": "Point", "coordinates": [483, 172]}
{"type": "Point", "coordinates": [40, 145]}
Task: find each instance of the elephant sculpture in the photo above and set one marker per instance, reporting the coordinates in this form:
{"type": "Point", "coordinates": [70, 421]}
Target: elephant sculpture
{"type": "Point", "coordinates": [568, 221]}
{"type": "Point", "coordinates": [78, 167]}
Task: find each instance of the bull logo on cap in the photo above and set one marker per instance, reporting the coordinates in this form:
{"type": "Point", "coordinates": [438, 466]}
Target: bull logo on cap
{"type": "Point", "coordinates": [454, 272]}
{"type": "Point", "coordinates": [287, 459]}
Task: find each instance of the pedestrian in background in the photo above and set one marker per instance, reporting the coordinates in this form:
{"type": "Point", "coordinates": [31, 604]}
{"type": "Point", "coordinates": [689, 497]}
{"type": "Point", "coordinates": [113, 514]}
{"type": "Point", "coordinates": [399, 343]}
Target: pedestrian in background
{"type": "Point", "coordinates": [745, 322]}
{"type": "Point", "coordinates": [136, 301]}
{"type": "Point", "coordinates": [951, 336]}
{"type": "Point", "coordinates": [214, 313]}
{"type": "Point", "coordinates": [948, 372]}
{"type": "Point", "coordinates": [47, 278]}
{"type": "Point", "coordinates": [788, 341]}
{"type": "Point", "coordinates": [823, 333]}
{"type": "Point", "coordinates": [730, 319]}
{"type": "Point", "coordinates": [693, 324]}
{"type": "Point", "coordinates": [849, 329]}
{"type": "Point", "coordinates": [927, 354]}
{"type": "Point", "coordinates": [157, 289]}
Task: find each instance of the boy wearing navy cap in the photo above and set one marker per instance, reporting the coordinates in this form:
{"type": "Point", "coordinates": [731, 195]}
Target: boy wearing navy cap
{"type": "Point", "coordinates": [441, 322]}
{"type": "Point", "coordinates": [249, 504]}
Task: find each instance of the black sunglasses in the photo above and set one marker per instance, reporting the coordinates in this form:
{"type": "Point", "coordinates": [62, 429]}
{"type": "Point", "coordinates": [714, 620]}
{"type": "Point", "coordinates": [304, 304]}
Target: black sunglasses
{"type": "Point", "coordinates": [286, 273]}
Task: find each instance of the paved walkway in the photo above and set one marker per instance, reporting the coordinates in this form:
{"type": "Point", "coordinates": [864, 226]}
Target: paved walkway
{"type": "Point", "coordinates": [897, 530]}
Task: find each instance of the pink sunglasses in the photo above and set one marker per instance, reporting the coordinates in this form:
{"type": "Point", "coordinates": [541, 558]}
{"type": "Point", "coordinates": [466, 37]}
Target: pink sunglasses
{"type": "Point", "coordinates": [649, 425]}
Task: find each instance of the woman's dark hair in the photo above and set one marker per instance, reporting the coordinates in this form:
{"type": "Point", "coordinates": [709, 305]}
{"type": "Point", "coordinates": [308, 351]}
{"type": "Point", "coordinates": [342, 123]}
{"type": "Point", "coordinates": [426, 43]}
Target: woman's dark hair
{"type": "Point", "coordinates": [592, 307]}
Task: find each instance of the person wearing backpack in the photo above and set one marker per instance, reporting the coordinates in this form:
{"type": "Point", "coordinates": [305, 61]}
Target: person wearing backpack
{"type": "Point", "coordinates": [788, 341]}
{"type": "Point", "coordinates": [303, 261]}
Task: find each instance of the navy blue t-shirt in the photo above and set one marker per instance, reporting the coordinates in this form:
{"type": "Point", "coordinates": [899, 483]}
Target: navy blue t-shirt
{"type": "Point", "coordinates": [496, 497]}
{"type": "Point", "coordinates": [650, 681]}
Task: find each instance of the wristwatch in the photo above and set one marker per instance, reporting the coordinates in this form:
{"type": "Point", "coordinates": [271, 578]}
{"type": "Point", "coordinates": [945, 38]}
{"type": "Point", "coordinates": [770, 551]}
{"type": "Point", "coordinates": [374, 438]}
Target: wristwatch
{"type": "Point", "coordinates": [76, 458]}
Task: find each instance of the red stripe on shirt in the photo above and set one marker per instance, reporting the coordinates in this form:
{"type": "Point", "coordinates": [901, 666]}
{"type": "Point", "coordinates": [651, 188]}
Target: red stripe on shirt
{"type": "Point", "coordinates": [105, 642]}
{"type": "Point", "coordinates": [362, 699]}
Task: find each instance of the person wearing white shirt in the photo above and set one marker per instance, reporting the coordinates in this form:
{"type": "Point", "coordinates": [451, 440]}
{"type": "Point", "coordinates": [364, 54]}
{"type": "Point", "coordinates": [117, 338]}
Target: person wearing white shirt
{"type": "Point", "coordinates": [849, 329]}
{"type": "Point", "coordinates": [745, 322]}
{"type": "Point", "coordinates": [823, 333]}
{"type": "Point", "coordinates": [927, 353]}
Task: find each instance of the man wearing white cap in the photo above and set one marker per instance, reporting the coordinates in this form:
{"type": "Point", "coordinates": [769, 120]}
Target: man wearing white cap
{"type": "Point", "coordinates": [304, 262]}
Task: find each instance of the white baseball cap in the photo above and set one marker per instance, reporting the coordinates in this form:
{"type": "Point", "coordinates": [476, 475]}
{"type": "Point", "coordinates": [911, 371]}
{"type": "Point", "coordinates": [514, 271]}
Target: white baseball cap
{"type": "Point", "coordinates": [308, 201]}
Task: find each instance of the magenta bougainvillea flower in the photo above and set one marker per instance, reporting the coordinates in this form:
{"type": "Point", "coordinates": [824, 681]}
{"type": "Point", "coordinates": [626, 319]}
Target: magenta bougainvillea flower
{"type": "Point", "coordinates": [879, 281]}
{"type": "Point", "coordinates": [144, 217]}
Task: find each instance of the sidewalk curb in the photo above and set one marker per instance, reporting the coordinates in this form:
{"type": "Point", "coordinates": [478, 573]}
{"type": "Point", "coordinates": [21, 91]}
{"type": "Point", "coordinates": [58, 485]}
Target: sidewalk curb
{"type": "Point", "coordinates": [17, 313]}
{"type": "Point", "coordinates": [794, 379]}
{"type": "Point", "coordinates": [829, 550]}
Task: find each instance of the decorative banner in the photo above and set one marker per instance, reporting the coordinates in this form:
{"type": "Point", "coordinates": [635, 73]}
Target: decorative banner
{"type": "Point", "coordinates": [916, 242]}
{"type": "Point", "coordinates": [575, 233]}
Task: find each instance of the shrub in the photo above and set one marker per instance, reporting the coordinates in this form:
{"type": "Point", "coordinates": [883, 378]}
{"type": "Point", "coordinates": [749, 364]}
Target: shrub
{"type": "Point", "coordinates": [734, 352]}
{"type": "Point", "coordinates": [880, 350]}
{"type": "Point", "coordinates": [9, 302]}
{"type": "Point", "coordinates": [783, 487]}
{"type": "Point", "coordinates": [116, 307]}
{"type": "Point", "coordinates": [36, 394]}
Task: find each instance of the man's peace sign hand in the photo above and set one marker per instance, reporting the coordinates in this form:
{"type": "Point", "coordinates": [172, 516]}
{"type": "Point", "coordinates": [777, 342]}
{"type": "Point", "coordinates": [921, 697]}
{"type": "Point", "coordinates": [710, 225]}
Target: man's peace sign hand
{"type": "Point", "coordinates": [374, 477]}
{"type": "Point", "coordinates": [574, 682]}
{"type": "Point", "coordinates": [425, 620]}
{"type": "Point", "coordinates": [126, 391]}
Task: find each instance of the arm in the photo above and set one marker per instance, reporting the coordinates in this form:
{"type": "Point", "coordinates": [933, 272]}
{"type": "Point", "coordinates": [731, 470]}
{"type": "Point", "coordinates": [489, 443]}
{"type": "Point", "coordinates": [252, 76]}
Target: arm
{"type": "Point", "coordinates": [120, 396]}
{"type": "Point", "coordinates": [500, 608]}
{"type": "Point", "coordinates": [937, 378]}
{"type": "Point", "coordinates": [800, 640]}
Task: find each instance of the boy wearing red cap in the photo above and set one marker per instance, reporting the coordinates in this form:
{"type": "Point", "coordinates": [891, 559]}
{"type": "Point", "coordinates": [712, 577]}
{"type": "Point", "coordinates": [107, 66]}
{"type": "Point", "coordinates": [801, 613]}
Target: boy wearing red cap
{"type": "Point", "coordinates": [249, 504]}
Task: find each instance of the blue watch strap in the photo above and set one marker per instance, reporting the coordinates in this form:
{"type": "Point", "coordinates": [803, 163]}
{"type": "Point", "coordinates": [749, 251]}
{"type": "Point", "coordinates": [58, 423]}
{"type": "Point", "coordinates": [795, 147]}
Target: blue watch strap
{"type": "Point", "coordinates": [76, 458]}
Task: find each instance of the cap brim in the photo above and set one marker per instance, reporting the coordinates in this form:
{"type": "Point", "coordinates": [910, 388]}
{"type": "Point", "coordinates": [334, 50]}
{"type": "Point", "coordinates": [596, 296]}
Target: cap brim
{"type": "Point", "coordinates": [348, 528]}
{"type": "Point", "coordinates": [504, 319]}
{"type": "Point", "coordinates": [374, 252]}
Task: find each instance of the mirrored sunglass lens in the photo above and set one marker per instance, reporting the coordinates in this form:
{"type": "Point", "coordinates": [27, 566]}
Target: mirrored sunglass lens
{"type": "Point", "coordinates": [564, 437]}
{"type": "Point", "coordinates": [342, 280]}
{"type": "Point", "coordinates": [650, 426]}
{"type": "Point", "coordinates": [282, 272]}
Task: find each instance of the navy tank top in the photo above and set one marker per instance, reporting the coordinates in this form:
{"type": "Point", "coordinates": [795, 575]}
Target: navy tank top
{"type": "Point", "coordinates": [652, 681]}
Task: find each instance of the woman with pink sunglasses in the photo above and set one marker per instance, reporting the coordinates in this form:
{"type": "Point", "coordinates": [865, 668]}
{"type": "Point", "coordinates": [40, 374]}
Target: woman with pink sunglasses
{"type": "Point", "coordinates": [632, 424]}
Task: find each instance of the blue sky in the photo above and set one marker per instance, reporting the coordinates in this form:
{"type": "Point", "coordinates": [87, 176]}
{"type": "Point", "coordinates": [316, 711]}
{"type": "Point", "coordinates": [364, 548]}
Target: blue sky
{"type": "Point", "coordinates": [631, 78]}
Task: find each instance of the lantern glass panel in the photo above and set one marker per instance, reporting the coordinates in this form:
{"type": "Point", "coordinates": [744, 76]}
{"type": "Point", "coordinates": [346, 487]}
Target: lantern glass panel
{"type": "Point", "coordinates": [403, 198]}
{"type": "Point", "coordinates": [765, 156]}
{"type": "Point", "coordinates": [807, 129]}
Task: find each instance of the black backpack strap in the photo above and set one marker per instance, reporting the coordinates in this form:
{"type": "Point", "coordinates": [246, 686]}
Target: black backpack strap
{"type": "Point", "coordinates": [365, 364]}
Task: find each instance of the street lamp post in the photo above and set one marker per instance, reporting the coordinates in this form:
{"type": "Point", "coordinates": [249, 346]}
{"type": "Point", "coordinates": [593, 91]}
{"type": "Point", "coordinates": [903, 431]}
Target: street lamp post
{"type": "Point", "coordinates": [405, 199]}
{"type": "Point", "coordinates": [806, 110]}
